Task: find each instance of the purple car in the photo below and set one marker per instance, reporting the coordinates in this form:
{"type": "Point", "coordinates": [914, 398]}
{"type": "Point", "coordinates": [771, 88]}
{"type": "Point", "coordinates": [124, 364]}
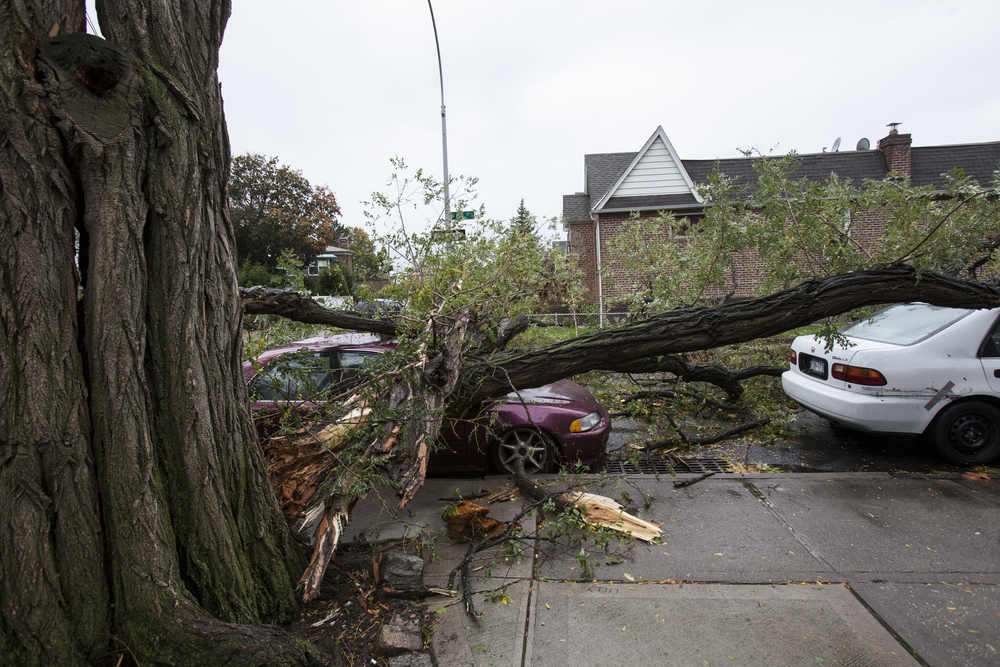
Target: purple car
{"type": "Point", "coordinates": [558, 423]}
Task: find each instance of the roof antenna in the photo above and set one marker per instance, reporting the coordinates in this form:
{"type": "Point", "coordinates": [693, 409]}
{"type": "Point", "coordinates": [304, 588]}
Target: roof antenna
{"type": "Point", "coordinates": [836, 145]}
{"type": "Point", "coordinates": [864, 144]}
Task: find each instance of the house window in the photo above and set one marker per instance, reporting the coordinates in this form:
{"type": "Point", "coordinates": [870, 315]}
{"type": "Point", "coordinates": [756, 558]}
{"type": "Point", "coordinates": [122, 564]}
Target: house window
{"type": "Point", "coordinates": [682, 227]}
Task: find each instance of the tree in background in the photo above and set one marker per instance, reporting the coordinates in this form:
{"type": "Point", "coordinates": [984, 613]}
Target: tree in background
{"type": "Point", "coordinates": [274, 207]}
{"type": "Point", "coordinates": [524, 222]}
{"type": "Point", "coordinates": [335, 281]}
{"type": "Point", "coordinates": [252, 273]}
{"type": "Point", "coordinates": [370, 262]}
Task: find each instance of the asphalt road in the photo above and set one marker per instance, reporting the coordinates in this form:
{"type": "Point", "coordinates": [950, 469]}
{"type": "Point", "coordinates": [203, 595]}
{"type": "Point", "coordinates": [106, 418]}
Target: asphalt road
{"type": "Point", "coordinates": [811, 444]}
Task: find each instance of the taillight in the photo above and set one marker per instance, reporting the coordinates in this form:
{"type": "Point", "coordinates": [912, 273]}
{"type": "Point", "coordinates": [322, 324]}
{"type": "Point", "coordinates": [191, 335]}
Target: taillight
{"type": "Point", "coordinates": [792, 357]}
{"type": "Point", "coordinates": [858, 375]}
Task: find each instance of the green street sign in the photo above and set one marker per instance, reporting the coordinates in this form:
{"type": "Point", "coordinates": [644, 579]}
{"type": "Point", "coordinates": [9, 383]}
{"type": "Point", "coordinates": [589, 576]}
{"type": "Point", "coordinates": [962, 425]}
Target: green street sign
{"type": "Point", "coordinates": [464, 215]}
{"type": "Point", "coordinates": [445, 235]}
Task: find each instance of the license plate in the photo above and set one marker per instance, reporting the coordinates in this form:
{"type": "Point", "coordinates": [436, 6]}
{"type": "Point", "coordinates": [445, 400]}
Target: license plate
{"type": "Point", "coordinates": [814, 366]}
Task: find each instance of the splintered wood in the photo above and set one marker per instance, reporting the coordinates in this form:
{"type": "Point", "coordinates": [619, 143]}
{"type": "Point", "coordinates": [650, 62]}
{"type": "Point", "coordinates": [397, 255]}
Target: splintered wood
{"type": "Point", "coordinates": [298, 463]}
{"type": "Point", "coordinates": [595, 510]}
{"type": "Point", "coordinates": [467, 520]}
{"type": "Point", "coordinates": [602, 511]}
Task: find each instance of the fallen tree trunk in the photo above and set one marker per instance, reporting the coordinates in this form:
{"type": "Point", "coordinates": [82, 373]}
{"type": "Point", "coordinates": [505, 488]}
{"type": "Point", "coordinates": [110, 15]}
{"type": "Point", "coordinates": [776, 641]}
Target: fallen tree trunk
{"type": "Point", "coordinates": [690, 329]}
{"type": "Point", "coordinates": [416, 403]}
{"type": "Point", "coordinates": [641, 346]}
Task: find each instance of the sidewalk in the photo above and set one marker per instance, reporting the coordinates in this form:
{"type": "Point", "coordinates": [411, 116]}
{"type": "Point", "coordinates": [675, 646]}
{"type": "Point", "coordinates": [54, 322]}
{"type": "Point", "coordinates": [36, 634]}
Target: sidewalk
{"type": "Point", "coordinates": [761, 569]}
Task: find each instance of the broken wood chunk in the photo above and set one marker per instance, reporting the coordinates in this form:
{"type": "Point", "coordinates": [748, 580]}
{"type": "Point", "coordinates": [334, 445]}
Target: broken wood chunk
{"type": "Point", "coordinates": [468, 520]}
{"type": "Point", "coordinates": [602, 511]}
{"type": "Point", "coordinates": [595, 510]}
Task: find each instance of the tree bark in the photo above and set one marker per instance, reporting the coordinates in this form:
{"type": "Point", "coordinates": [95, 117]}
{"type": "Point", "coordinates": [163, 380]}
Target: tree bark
{"type": "Point", "coordinates": [52, 581]}
{"type": "Point", "coordinates": [135, 503]}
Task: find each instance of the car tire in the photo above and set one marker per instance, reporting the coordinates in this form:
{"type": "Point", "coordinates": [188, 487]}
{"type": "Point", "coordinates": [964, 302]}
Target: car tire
{"type": "Point", "coordinates": [967, 433]}
{"type": "Point", "coordinates": [531, 446]}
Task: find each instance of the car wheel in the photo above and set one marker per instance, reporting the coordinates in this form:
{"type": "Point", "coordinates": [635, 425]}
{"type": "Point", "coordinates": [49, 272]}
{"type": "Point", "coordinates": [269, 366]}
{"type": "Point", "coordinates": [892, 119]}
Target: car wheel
{"type": "Point", "coordinates": [968, 433]}
{"type": "Point", "coordinates": [533, 448]}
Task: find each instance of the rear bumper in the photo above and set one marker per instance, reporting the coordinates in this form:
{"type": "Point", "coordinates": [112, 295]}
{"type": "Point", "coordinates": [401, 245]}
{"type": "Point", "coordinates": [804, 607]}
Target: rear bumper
{"type": "Point", "coordinates": [885, 414]}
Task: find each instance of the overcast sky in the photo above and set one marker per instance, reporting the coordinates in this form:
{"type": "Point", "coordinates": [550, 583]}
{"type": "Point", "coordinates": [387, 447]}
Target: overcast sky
{"type": "Point", "coordinates": [335, 89]}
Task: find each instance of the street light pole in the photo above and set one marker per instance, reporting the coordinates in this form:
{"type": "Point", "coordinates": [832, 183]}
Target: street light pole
{"type": "Point", "coordinates": [444, 124]}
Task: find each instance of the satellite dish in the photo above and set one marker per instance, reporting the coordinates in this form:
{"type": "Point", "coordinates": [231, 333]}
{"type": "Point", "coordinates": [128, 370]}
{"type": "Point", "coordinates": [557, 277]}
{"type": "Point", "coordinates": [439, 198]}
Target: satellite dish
{"type": "Point", "coordinates": [863, 145]}
{"type": "Point", "coordinates": [836, 145]}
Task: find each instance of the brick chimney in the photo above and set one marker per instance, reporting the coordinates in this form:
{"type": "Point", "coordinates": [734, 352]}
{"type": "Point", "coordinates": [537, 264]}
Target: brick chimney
{"type": "Point", "coordinates": [896, 151]}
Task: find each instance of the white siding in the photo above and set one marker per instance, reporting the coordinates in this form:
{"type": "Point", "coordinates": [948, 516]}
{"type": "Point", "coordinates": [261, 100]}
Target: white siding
{"type": "Point", "coordinates": [656, 173]}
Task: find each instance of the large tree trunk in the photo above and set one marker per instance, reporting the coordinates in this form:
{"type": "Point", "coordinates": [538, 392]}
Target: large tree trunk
{"type": "Point", "coordinates": [54, 589]}
{"type": "Point", "coordinates": [135, 504]}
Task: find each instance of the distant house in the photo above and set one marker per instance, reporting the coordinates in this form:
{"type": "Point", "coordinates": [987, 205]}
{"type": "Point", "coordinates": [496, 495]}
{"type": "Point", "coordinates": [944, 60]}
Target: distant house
{"type": "Point", "coordinates": [331, 257]}
{"type": "Point", "coordinates": [656, 179]}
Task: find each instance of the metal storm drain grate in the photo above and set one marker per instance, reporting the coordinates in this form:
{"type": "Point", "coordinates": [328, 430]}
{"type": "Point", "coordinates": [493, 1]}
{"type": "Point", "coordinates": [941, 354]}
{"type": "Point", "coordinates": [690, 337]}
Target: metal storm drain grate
{"type": "Point", "coordinates": [668, 466]}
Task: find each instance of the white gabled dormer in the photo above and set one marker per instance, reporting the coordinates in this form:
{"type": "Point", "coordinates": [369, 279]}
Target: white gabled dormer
{"type": "Point", "coordinates": [655, 171]}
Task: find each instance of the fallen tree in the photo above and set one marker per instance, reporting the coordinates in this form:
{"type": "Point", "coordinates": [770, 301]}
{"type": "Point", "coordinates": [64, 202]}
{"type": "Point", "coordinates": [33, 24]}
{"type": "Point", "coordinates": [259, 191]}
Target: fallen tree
{"type": "Point", "coordinates": [471, 378]}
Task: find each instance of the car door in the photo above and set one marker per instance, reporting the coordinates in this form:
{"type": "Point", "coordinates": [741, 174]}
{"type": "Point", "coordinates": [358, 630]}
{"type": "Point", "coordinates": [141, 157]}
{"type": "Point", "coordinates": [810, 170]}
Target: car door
{"type": "Point", "coordinates": [989, 354]}
{"type": "Point", "coordinates": [451, 453]}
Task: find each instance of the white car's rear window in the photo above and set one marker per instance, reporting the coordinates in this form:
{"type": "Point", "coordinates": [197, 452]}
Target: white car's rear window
{"type": "Point", "coordinates": [905, 324]}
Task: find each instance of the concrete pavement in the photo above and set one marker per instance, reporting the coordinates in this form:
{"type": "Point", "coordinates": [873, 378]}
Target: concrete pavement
{"type": "Point", "coordinates": [753, 569]}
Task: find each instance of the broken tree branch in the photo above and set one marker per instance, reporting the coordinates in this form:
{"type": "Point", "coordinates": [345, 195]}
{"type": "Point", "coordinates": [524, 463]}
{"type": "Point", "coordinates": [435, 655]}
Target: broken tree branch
{"type": "Point", "coordinates": [688, 482]}
{"type": "Point", "coordinates": [710, 440]}
{"type": "Point", "coordinates": [293, 306]}
{"type": "Point", "coordinates": [594, 510]}
{"type": "Point", "coordinates": [720, 376]}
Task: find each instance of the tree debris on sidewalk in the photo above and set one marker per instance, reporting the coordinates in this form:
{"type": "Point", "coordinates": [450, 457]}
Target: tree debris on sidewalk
{"type": "Point", "coordinates": [468, 520]}
{"type": "Point", "coordinates": [595, 510]}
{"type": "Point", "coordinates": [694, 480]}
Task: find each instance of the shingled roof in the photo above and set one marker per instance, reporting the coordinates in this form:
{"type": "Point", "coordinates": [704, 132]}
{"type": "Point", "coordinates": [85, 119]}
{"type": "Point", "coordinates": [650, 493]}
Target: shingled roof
{"type": "Point", "coordinates": [977, 160]}
{"type": "Point", "coordinates": [605, 170]}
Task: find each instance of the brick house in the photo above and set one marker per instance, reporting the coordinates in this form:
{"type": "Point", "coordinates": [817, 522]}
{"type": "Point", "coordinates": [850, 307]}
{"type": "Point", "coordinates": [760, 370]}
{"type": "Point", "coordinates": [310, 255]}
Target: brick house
{"type": "Point", "coordinates": [656, 179]}
{"type": "Point", "coordinates": [331, 257]}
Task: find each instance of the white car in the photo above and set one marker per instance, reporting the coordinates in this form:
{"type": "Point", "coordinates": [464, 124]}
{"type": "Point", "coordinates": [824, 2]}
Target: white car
{"type": "Point", "coordinates": [911, 368]}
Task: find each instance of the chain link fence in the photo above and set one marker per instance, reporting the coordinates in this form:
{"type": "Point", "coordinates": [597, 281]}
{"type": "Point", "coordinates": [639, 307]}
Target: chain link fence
{"type": "Point", "coordinates": [581, 320]}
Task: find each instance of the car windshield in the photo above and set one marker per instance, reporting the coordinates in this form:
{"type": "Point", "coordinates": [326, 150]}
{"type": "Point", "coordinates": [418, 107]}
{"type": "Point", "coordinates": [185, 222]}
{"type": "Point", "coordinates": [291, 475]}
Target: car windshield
{"type": "Point", "coordinates": [293, 377]}
{"type": "Point", "coordinates": [905, 324]}
{"type": "Point", "coordinates": [306, 376]}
